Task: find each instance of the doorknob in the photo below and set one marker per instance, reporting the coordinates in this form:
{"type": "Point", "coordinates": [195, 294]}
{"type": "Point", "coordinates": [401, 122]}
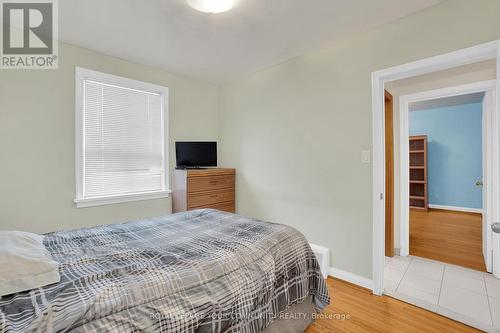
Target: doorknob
{"type": "Point", "coordinates": [496, 228]}
{"type": "Point", "coordinates": [479, 183]}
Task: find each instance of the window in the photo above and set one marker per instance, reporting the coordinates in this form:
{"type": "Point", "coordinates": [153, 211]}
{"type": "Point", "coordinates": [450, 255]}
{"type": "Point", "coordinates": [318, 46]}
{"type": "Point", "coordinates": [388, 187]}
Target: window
{"type": "Point", "coordinates": [120, 139]}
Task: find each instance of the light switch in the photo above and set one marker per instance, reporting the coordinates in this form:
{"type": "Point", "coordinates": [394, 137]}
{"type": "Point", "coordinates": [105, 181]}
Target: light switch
{"type": "Point", "coordinates": [365, 156]}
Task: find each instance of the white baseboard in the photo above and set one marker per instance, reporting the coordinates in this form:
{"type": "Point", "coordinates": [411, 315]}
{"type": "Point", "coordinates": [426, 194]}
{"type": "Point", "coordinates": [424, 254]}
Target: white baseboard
{"type": "Point", "coordinates": [459, 209]}
{"type": "Point", "coordinates": [351, 277]}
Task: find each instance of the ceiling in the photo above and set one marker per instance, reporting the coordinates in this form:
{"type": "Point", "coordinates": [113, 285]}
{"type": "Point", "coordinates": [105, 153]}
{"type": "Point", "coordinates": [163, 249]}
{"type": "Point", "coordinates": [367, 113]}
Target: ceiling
{"type": "Point", "coordinates": [219, 48]}
{"type": "Point", "coordinates": [447, 101]}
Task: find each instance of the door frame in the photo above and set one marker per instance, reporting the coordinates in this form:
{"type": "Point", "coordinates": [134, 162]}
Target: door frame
{"type": "Point", "coordinates": [462, 57]}
{"type": "Point", "coordinates": [489, 130]}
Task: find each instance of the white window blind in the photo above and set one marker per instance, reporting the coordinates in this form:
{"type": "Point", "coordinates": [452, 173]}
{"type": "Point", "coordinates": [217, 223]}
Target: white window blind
{"type": "Point", "coordinates": [122, 144]}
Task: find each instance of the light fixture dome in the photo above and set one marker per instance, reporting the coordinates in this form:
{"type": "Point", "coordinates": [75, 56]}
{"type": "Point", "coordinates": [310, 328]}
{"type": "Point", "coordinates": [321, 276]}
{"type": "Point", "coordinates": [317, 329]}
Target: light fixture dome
{"type": "Point", "coordinates": [212, 6]}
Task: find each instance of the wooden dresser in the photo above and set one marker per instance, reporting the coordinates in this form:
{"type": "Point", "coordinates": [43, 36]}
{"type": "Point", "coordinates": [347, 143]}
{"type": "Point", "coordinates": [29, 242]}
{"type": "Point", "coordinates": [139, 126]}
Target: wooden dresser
{"type": "Point", "coordinates": [203, 188]}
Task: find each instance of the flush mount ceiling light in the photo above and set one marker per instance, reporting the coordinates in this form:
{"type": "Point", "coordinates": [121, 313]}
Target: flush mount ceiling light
{"type": "Point", "coordinates": [212, 6]}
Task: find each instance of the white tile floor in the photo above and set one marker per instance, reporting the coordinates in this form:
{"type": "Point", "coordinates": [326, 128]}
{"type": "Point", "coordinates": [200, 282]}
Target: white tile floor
{"type": "Point", "coordinates": [459, 293]}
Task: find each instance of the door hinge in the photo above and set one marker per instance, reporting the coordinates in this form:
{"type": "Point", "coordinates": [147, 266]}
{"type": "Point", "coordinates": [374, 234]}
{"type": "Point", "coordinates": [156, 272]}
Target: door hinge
{"type": "Point", "coordinates": [381, 196]}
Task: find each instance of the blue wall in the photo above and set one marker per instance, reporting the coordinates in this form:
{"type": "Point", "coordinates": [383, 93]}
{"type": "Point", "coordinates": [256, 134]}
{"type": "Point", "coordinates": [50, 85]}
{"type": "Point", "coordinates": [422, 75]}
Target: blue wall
{"type": "Point", "coordinates": [454, 153]}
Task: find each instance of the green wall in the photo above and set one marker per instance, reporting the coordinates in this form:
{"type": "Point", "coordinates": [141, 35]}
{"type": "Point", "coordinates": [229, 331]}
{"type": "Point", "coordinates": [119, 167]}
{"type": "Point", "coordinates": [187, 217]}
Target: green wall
{"type": "Point", "coordinates": [295, 132]}
{"type": "Point", "coordinates": [37, 140]}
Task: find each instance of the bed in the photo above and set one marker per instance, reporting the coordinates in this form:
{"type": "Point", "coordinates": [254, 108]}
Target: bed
{"type": "Point", "coordinates": [197, 271]}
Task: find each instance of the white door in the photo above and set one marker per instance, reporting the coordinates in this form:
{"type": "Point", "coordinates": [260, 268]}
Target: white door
{"type": "Point", "coordinates": [487, 178]}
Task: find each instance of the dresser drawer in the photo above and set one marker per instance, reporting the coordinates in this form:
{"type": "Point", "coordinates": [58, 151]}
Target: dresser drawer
{"type": "Point", "coordinates": [209, 198]}
{"type": "Point", "coordinates": [198, 184]}
{"type": "Point", "coordinates": [203, 188]}
{"type": "Point", "coordinates": [224, 206]}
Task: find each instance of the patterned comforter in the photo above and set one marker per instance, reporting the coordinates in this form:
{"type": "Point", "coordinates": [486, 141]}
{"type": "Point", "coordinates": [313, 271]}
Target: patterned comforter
{"type": "Point", "coordinates": [198, 271]}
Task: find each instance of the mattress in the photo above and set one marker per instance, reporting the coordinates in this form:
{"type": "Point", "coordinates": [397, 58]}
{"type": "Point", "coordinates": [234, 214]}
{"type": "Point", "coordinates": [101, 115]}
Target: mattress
{"type": "Point", "coordinates": [196, 271]}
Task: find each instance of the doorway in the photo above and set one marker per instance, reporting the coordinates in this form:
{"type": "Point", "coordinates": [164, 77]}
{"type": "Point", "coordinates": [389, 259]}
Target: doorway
{"type": "Point", "coordinates": [479, 200]}
{"type": "Point", "coordinates": [445, 271]}
{"type": "Point", "coordinates": [380, 78]}
{"type": "Point", "coordinates": [446, 180]}
{"type": "Point", "coordinates": [433, 273]}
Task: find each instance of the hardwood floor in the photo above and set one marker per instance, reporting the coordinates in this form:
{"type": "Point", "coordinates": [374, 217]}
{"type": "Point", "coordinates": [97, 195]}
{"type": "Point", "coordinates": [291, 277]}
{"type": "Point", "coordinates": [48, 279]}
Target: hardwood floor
{"type": "Point", "coordinates": [447, 236]}
{"type": "Point", "coordinates": [369, 313]}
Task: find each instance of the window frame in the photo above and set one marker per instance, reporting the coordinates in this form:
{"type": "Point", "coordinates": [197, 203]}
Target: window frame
{"type": "Point", "coordinates": [82, 74]}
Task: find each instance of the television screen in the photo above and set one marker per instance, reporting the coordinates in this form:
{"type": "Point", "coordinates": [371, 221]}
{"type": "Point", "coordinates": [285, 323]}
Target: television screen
{"type": "Point", "coordinates": [196, 154]}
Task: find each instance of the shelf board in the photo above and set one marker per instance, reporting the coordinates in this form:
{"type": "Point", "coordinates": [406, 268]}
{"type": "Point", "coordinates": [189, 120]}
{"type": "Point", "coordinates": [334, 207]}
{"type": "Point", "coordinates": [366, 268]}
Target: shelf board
{"type": "Point", "coordinates": [416, 151]}
{"type": "Point", "coordinates": [417, 167]}
{"type": "Point", "coordinates": [418, 182]}
{"type": "Point", "coordinates": [417, 197]}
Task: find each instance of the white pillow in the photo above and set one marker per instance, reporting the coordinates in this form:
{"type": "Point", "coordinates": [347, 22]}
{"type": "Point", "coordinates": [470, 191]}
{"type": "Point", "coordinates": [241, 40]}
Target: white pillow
{"type": "Point", "coordinates": [25, 263]}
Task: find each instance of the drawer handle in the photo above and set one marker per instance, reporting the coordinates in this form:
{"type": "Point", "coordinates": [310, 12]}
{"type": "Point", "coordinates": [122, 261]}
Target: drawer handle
{"type": "Point", "coordinates": [214, 196]}
{"type": "Point", "coordinates": [213, 182]}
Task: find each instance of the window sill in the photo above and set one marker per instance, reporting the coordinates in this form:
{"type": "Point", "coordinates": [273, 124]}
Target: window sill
{"type": "Point", "coordinates": [90, 202]}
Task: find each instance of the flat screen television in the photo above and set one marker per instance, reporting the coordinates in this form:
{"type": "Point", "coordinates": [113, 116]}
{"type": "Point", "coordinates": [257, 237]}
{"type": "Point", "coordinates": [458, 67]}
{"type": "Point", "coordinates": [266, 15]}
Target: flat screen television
{"type": "Point", "coordinates": [196, 154]}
